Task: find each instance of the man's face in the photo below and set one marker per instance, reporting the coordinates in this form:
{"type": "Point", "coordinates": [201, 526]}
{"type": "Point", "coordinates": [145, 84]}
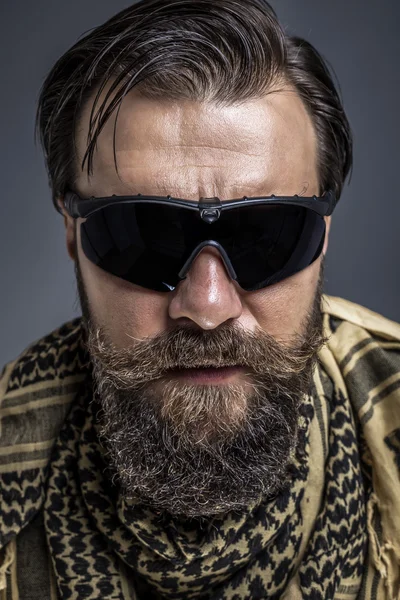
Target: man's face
{"type": "Point", "coordinates": [198, 432]}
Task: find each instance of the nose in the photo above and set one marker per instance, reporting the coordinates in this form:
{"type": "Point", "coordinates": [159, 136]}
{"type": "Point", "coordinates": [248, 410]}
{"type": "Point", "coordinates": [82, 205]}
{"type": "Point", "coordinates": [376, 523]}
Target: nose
{"type": "Point", "coordinates": [208, 296]}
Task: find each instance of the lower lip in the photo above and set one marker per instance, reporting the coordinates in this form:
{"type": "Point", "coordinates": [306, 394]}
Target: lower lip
{"type": "Point", "coordinates": [221, 375]}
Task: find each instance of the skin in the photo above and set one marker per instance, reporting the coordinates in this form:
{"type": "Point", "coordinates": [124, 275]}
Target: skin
{"type": "Point", "coordinates": [189, 149]}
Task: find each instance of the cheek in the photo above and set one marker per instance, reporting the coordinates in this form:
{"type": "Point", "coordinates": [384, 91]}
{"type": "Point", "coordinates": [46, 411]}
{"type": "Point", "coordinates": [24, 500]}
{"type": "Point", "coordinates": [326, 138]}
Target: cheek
{"type": "Point", "coordinates": [123, 309]}
{"type": "Point", "coordinates": [282, 309]}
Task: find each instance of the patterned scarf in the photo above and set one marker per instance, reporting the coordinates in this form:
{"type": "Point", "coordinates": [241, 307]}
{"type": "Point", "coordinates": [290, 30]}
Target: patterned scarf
{"type": "Point", "coordinates": [333, 533]}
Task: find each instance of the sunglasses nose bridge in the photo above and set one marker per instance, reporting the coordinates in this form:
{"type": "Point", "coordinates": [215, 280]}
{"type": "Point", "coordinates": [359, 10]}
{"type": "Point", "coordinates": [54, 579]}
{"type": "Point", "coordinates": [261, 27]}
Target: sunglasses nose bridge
{"type": "Point", "coordinates": [186, 267]}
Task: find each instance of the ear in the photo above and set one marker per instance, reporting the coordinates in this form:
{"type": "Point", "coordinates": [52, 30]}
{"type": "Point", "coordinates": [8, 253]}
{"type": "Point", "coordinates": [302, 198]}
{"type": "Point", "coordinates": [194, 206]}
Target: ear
{"type": "Point", "coordinates": [69, 230]}
{"type": "Point", "coordinates": [328, 228]}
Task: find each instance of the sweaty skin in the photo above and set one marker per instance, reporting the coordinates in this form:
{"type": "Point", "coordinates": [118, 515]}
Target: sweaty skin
{"type": "Point", "coordinates": [189, 149]}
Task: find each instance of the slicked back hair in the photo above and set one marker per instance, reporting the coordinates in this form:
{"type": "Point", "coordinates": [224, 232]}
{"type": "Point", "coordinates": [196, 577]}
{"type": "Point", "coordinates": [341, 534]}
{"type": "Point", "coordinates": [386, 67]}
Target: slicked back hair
{"type": "Point", "coordinates": [221, 51]}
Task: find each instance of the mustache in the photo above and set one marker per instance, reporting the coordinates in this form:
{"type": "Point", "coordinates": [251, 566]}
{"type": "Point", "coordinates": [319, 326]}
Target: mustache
{"type": "Point", "coordinates": [184, 348]}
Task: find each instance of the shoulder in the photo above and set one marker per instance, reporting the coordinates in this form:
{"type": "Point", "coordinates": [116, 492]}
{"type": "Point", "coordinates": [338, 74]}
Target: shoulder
{"type": "Point", "coordinates": [37, 388]}
{"type": "Point", "coordinates": [362, 358]}
{"type": "Point", "coordinates": [54, 356]}
{"type": "Point", "coordinates": [341, 311]}
{"type": "Point", "coordinates": [362, 355]}
{"type": "Point", "coordinates": [364, 344]}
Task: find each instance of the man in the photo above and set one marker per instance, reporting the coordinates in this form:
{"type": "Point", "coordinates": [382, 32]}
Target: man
{"type": "Point", "coordinates": [213, 427]}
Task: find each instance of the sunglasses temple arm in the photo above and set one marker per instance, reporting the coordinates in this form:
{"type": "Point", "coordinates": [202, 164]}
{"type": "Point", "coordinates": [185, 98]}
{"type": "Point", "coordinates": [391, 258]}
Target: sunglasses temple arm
{"type": "Point", "coordinates": [330, 202]}
{"type": "Point", "coordinates": [324, 205]}
{"type": "Point", "coordinates": [75, 207]}
{"type": "Point", "coordinates": [71, 204]}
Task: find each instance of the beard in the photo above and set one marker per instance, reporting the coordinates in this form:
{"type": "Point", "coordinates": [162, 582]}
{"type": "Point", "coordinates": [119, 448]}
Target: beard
{"type": "Point", "coordinates": [198, 450]}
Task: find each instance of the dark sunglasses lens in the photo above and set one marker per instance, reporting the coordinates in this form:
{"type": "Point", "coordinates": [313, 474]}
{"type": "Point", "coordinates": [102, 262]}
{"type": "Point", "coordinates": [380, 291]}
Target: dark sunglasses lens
{"type": "Point", "coordinates": [141, 243]}
{"type": "Point", "coordinates": [273, 242]}
{"type": "Point", "coordinates": [148, 244]}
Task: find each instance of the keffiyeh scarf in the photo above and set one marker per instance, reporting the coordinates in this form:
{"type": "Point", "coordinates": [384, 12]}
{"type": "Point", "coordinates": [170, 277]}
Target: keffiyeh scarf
{"type": "Point", "coordinates": [334, 533]}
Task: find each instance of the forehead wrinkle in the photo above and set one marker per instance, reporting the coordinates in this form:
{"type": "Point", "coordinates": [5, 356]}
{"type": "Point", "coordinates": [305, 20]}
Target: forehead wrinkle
{"type": "Point", "coordinates": [213, 148]}
{"type": "Point", "coordinates": [175, 152]}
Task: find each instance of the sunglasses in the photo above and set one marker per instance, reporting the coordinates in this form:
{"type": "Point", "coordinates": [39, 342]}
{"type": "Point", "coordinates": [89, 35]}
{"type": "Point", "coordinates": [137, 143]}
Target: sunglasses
{"type": "Point", "coordinates": [152, 241]}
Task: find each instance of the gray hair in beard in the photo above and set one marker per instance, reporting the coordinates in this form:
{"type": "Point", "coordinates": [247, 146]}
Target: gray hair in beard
{"type": "Point", "coordinates": [201, 450]}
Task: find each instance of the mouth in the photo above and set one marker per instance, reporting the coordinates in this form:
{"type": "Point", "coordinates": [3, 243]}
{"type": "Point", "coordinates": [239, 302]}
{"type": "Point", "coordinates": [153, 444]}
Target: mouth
{"type": "Point", "coordinates": [205, 375]}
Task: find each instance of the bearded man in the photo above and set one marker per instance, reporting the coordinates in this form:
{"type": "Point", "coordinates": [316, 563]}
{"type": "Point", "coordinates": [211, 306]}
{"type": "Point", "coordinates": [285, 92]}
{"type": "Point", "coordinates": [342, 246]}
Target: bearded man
{"type": "Point", "coordinates": [213, 426]}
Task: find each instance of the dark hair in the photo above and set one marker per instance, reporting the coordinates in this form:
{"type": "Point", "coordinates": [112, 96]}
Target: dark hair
{"type": "Point", "coordinates": [223, 51]}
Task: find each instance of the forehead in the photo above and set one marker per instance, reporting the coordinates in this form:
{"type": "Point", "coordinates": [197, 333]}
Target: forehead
{"type": "Point", "coordinates": [191, 149]}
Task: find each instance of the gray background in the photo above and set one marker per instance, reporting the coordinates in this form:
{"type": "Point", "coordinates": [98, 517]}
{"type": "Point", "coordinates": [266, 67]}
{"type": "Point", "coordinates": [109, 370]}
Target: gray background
{"type": "Point", "coordinates": [361, 41]}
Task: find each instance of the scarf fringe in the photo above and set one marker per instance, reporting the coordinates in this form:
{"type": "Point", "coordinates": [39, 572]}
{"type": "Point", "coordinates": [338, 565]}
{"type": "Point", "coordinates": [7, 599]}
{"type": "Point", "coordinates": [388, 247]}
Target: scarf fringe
{"type": "Point", "coordinates": [5, 568]}
{"type": "Point", "coordinates": [383, 555]}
